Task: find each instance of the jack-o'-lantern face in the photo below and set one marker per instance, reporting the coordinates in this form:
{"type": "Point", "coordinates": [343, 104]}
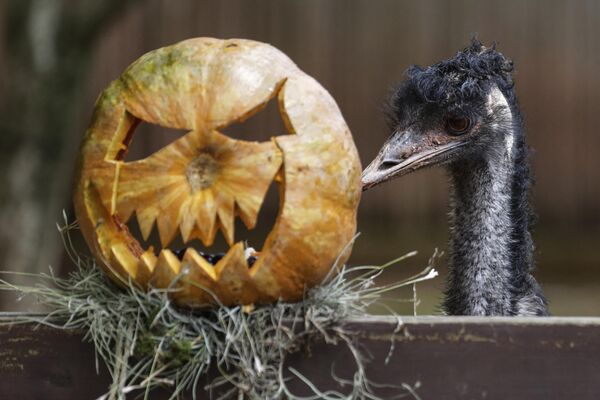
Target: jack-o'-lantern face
{"type": "Point", "coordinates": [201, 182]}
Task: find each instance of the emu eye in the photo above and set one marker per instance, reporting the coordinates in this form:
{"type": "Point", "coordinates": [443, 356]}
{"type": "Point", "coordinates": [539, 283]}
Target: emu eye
{"type": "Point", "coordinates": [458, 126]}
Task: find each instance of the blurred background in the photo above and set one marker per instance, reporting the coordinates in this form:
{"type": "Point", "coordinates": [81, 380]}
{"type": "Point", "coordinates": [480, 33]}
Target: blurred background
{"type": "Point", "coordinates": [57, 55]}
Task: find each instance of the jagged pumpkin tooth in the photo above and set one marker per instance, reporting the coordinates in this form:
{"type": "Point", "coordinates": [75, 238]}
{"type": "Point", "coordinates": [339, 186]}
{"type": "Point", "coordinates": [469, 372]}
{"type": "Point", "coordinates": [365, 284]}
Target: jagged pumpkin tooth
{"type": "Point", "coordinates": [167, 226]}
{"type": "Point", "coordinates": [206, 213]}
{"type": "Point", "coordinates": [234, 277]}
{"type": "Point", "coordinates": [123, 257]}
{"type": "Point", "coordinates": [200, 269]}
{"type": "Point", "coordinates": [168, 208]}
{"type": "Point", "coordinates": [147, 263]}
{"type": "Point", "coordinates": [249, 176]}
{"type": "Point", "coordinates": [234, 256]}
{"type": "Point", "coordinates": [225, 211]}
{"type": "Point", "coordinates": [248, 209]}
{"type": "Point", "coordinates": [187, 220]}
{"type": "Point", "coordinates": [198, 286]}
{"type": "Point", "coordinates": [147, 184]}
{"type": "Point", "coordinates": [146, 218]}
{"type": "Point", "coordinates": [124, 212]}
{"type": "Point", "coordinates": [166, 269]}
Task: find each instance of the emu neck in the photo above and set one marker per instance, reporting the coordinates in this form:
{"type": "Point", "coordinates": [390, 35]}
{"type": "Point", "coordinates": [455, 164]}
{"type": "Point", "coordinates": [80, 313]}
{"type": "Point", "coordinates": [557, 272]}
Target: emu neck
{"type": "Point", "coordinates": [491, 247]}
{"type": "Point", "coordinates": [491, 250]}
{"type": "Point", "coordinates": [481, 279]}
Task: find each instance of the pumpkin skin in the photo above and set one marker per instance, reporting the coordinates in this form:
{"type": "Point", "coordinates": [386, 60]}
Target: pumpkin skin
{"type": "Point", "coordinates": [200, 182]}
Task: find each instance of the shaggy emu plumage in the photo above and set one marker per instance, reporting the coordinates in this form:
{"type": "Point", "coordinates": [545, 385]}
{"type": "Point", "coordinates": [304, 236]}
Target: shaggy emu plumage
{"type": "Point", "coordinates": [463, 113]}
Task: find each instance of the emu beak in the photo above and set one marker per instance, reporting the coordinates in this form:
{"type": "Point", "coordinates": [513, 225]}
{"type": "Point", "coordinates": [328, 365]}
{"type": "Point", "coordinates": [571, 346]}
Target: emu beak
{"type": "Point", "coordinates": [407, 151]}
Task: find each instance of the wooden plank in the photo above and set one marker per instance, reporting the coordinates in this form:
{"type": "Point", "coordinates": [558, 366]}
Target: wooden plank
{"type": "Point", "coordinates": [45, 363]}
{"type": "Point", "coordinates": [445, 357]}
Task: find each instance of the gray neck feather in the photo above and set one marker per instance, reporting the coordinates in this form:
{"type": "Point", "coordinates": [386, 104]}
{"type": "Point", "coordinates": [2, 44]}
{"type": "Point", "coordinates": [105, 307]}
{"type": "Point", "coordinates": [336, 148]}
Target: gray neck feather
{"type": "Point", "coordinates": [480, 238]}
{"type": "Point", "coordinates": [482, 275]}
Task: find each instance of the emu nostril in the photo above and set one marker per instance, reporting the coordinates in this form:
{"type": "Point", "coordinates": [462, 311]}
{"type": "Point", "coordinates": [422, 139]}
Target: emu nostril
{"type": "Point", "coordinates": [389, 163]}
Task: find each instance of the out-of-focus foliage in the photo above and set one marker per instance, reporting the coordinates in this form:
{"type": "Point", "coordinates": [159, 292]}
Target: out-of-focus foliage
{"type": "Point", "coordinates": [46, 50]}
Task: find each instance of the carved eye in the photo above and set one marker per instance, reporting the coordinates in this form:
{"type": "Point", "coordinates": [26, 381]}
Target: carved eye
{"type": "Point", "coordinates": [458, 126]}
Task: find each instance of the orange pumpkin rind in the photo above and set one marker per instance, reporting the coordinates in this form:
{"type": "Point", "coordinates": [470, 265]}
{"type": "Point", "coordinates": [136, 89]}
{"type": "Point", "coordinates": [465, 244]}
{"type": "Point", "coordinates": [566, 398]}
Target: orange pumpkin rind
{"type": "Point", "coordinates": [199, 183]}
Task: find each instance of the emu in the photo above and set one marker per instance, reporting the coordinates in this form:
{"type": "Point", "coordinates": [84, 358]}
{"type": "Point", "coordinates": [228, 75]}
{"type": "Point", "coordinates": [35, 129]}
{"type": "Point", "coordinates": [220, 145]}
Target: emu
{"type": "Point", "coordinates": [463, 113]}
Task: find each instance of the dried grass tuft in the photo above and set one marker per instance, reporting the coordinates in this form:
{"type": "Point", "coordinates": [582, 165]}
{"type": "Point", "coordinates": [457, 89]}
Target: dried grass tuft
{"type": "Point", "coordinates": [146, 341]}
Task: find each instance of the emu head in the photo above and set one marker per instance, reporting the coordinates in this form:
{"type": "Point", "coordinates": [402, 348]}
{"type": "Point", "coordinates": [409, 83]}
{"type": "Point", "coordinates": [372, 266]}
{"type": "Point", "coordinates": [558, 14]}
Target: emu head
{"type": "Point", "coordinates": [457, 109]}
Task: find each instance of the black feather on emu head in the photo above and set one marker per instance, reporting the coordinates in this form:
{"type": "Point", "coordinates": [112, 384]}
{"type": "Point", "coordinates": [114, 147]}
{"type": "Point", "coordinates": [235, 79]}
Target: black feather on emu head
{"type": "Point", "coordinates": [463, 80]}
{"type": "Point", "coordinates": [445, 111]}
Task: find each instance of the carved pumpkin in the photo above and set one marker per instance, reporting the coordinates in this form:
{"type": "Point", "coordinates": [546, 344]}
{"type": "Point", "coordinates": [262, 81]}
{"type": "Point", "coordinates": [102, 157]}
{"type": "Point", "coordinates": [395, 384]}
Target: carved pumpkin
{"type": "Point", "coordinates": [202, 181]}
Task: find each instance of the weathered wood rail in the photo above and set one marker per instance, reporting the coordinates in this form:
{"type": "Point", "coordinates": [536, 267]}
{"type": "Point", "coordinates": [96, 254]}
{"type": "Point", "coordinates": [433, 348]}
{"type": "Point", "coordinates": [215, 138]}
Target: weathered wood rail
{"type": "Point", "coordinates": [442, 357]}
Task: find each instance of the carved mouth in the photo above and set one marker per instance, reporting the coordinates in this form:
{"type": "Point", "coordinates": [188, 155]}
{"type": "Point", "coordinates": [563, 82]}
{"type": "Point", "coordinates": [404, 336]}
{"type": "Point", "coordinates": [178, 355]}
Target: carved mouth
{"type": "Point", "coordinates": [195, 186]}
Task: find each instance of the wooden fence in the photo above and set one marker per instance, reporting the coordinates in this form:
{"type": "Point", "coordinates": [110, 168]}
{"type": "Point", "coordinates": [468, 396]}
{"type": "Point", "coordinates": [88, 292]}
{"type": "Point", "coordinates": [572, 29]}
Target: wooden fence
{"type": "Point", "coordinates": [439, 357]}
